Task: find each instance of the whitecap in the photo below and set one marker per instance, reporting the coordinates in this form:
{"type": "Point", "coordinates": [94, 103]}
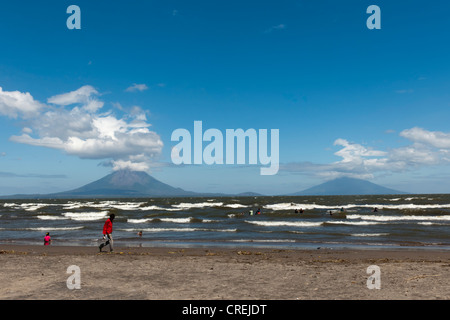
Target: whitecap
{"type": "Point", "coordinates": [398, 218]}
{"type": "Point", "coordinates": [178, 230]}
{"type": "Point", "coordinates": [144, 220]}
{"type": "Point", "coordinates": [369, 234]}
{"type": "Point", "coordinates": [44, 217]}
{"type": "Point", "coordinates": [53, 228]}
{"type": "Point", "coordinates": [185, 205]}
{"type": "Point", "coordinates": [285, 223]}
{"type": "Point", "coordinates": [86, 216]}
{"type": "Point", "coordinates": [354, 223]}
{"type": "Point", "coordinates": [177, 220]}
{"type": "Point", "coordinates": [235, 205]}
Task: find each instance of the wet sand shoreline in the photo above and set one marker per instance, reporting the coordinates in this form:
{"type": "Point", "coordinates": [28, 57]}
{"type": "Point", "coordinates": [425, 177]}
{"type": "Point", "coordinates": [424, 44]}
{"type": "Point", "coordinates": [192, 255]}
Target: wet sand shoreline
{"type": "Point", "coordinates": [164, 273]}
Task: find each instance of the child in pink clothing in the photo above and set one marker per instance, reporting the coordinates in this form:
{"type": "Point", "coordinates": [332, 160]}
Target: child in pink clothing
{"type": "Point", "coordinates": [47, 239]}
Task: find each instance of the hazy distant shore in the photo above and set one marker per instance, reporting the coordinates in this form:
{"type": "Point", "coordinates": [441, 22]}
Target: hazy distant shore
{"type": "Point", "coordinates": [162, 273]}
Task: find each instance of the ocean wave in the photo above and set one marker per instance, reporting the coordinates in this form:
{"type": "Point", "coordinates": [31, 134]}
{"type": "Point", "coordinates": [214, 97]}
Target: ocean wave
{"type": "Point", "coordinates": [44, 229]}
{"type": "Point", "coordinates": [143, 220]}
{"type": "Point", "coordinates": [86, 216]}
{"type": "Point", "coordinates": [414, 198]}
{"type": "Point", "coordinates": [9, 205]}
{"type": "Point", "coordinates": [131, 206]}
{"type": "Point", "coordinates": [173, 220]}
{"type": "Point", "coordinates": [158, 208]}
{"type": "Point", "coordinates": [33, 206]}
{"type": "Point", "coordinates": [127, 206]}
{"type": "Point", "coordinates": [44, 217]}
{"type": "Point", "coordinates": [285, 223]}
{"type": "Point", "coordinates": [369, 234]}
{"type": "Point", "coordinates": [292, 206]}
{"type": "Point", "coordinates": [178, 230]}
{"type": "Point", "coordinates": [353, 223]}
{"type": "Point", "coordinates": [262, 240]}
{"type": "Point", "coordinates": [55, 228]}
{"type": "Point", "coordinates": [235, 205]}
{"type": "Point", "coordinates": [398, 218]}
{"type": "Point", "coordinates": [187, 205]}
{"type": "Point", "coordinates": [70, 205]}
{"type": "Point", "coordinates": [236, 215]}
{"type": "Point", "coordinates": [410, 206]}
{"type": "Point", "coordinates": [177, 220]}
{"type": "Point", "coordinates": [427, 223]}
{"type": "Point", "coordinates": [305, 206]}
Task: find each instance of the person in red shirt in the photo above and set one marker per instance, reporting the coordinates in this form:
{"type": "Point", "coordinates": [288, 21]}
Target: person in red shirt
{"type": "Point", "coordinates": [107, 230]}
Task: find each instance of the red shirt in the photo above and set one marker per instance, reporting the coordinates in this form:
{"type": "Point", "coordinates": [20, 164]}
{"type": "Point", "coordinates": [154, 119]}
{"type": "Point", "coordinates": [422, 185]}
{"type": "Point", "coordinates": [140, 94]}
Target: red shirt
{"type": "Point", "coordinates": [107, 228]}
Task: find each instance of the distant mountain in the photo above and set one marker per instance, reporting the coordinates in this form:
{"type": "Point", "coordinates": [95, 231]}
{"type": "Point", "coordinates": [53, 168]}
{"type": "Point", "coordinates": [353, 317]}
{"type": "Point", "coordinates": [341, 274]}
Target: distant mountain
{"type": "Point", "coordinates": [347, 186]}
{"type": "Point", "coordinates": [126, 183]}
{"type": "Point", "coordinates": [249, 194]}
{"type": "Point", "coordinates": [119, 184]}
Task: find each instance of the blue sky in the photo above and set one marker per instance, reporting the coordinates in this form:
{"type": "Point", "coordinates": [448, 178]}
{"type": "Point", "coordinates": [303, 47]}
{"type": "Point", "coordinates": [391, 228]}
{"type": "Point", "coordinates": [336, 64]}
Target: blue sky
{"type": "Point", "coordinates": [348, 101]}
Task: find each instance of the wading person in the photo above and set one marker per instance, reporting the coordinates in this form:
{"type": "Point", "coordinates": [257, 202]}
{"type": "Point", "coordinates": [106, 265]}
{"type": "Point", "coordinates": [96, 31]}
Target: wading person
{"type": "Point", "coordinates": [107, 230]}
{"type": "Point", "coordinates": [47, 239]}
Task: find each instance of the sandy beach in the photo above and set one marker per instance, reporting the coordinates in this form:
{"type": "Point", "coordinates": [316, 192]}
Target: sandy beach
{"type": "Point", "coordinates": [40, 273]}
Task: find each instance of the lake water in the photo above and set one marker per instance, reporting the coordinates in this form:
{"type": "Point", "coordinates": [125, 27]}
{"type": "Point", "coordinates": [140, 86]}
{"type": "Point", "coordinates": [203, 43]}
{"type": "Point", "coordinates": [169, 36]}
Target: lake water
{"type": "Point", "coordinates": [400, 221]}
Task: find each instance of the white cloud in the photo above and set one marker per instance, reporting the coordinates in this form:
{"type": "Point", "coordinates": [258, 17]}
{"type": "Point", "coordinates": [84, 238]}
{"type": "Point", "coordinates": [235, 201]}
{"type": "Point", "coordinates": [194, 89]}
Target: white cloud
{"type": "Point", "coordinates": [137, 87]}
{"type": "Point", "coordinates": [134, 166]}
{"type": "Point", "coordinates": [428, 148]}
{"type": "Point", "coordinates": [15, 104]}
{"type": "Point", "coordinates": [83, 95]}
{"type": "Point", "coordinates": [436, 139]}
{"type": "Point", "coordinates": [82, 131]}
{"type": "Point", "coordinates": [355, 153]}
{"type": "Point", "coordinates": [48, 142]}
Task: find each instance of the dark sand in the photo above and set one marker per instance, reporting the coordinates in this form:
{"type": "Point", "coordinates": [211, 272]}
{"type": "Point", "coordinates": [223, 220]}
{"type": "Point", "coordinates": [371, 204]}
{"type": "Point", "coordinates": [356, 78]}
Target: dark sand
{"type": "Point", "coordinates": [38, 272]}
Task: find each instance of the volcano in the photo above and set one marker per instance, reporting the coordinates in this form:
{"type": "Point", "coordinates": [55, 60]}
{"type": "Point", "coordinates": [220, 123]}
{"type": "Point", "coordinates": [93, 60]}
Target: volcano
{"type": "Point", "coordinates": [347, 186]}
{"type": "Point", "coordinates": [125, 184]}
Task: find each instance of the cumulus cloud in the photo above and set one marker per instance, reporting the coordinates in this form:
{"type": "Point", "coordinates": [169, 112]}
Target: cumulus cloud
{"type": "Point", "coordinates": [137, 87]}
{"type": "Point", "coordinates": [82, 131]}
{"type": "Point", "coordinates": [355, 153]}
{"type": "Point", "coordinates": [427, 148]}
{"type": "Point", "coordinates": [84, 95]}
{"type": "Point", "coordinates": [436, 139]}
{"type": "Point", "coordinates": [14, 104]}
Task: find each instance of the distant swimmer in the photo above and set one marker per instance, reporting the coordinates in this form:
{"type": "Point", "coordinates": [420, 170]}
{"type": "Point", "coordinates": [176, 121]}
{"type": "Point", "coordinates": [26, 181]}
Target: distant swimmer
{"type": "Point", "coordinates": [139, 233]}
{"type": "Point", "coordinates": [301, 211]}
{"type": "Point", "coordinates": [342, 209]}
{"type": "Point", "coordinates": [258, 211]}
{"type": "Point", "coordinates": [296, 211]}
{"type": "Point", "coordinates": [250, 212]}
{"type": "Point", "coordinates": [331, 213]}
{"type": "Point", "coordinates": [375, 210]}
